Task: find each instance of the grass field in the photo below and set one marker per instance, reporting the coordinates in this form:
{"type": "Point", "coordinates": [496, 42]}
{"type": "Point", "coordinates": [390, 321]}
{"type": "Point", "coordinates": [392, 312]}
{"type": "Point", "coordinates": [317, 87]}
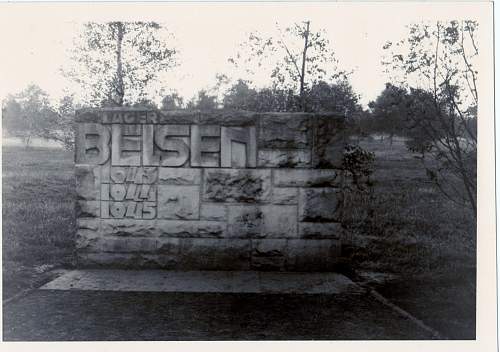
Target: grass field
{"type": "Point", "coordinates": [37, 213]}
{"type": "Point", "coordinates": [414, 246]}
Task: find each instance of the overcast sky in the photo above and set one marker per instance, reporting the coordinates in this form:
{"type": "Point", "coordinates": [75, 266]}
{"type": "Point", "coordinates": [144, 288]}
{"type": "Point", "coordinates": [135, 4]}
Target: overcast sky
{"type": "Point", "coordinates": [35, 46]}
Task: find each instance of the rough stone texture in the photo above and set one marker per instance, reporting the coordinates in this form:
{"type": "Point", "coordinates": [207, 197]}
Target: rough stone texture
{"type": "Point", "coordinates": [229, 118]}
{"type": "Point", "coordinates": [269, 254]}
{"type": "Point", "coordinates": [284, 158]}
{"type": "Point", "coordinates": [320, 230]}
{"type": "Point", "coordinates": [328, 142]}
{"type": "Point", "coordinates": [87, 182]}
{"type": "Point", "coordinates": [266, 221]}
{"type": "Point", "coordinates": [320, 204]}
{"type": "Point", "coordinates": [208, 190]}
{"type": "Point", "coordinates": [122, 244]}
{"type": "Point", "coordinates": [178, 253]}
{"type": "Point", "coordinates": [306, 178]}
{"type": "Point", "coordinates": [86, 232]}
{"type": "Point", "coordinates": [163, 228]}
{"type": "Point", "coordinates": [316, 255]}
{"type": "Point", "coordinates": [88, 209]}
{"type": "Point", "coordinates": [289, 131]}
{"type": "Point", "coordinates": [232, 185]}
{"type": "Point", "coordinates": [213, 212]}
{"type": "Point", "coordinates": [285, 195]}
{"type": "Point", "coordinates": [174, 117]}
{"type": "Point", "coordinates": [179, 176]}
{"type": "Point", "coordinates": [295, 254]}
{"type": "Point", "coordinates": [178, 202]}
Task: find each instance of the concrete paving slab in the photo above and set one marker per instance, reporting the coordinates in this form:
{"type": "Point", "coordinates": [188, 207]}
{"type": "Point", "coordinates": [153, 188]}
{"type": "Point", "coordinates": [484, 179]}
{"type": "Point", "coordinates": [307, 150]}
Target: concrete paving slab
{"type": "Point", "coordinates": [204, 281]}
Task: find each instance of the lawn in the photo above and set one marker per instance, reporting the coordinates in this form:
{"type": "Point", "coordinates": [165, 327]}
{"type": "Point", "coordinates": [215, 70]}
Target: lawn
{"type": "Point", "coordinates": [415, 246]}
{"type": "Point", "coordinates": [409, 242]}
{"type": "Point", "coordinates": [37, 212]}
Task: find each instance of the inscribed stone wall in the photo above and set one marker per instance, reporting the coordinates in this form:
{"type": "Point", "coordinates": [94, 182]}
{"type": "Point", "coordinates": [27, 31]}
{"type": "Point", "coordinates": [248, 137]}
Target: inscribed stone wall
{"type": "Point", "coordinates": [220, 190]}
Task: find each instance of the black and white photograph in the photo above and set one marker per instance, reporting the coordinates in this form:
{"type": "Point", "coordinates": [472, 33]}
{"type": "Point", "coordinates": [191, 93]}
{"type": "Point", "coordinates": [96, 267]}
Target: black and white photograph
{"type": "Point", "coordinates": [249, 171]}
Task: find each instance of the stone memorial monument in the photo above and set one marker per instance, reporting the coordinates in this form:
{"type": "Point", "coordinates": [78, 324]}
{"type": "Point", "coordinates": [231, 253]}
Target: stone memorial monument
{"type": "Point", "coordinates": [208, 190]}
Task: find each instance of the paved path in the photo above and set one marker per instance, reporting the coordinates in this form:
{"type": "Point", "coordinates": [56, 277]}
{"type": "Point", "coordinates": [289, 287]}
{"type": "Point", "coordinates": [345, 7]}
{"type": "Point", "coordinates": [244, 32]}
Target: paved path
{"type": "Point", "coordinates": [319, 306]}
{"type": "Point", "coordinates": [204, 281]}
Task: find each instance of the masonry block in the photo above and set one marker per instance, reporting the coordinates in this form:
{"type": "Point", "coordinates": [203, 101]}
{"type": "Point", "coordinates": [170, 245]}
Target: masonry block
{"type": "Point", "coordinates": [285, 195]}
{"type": "Point", "coordinates": [213, 212]}
{"type": "Point", "coordinates": [284, 158]}
{"type": "Point", "coordinates": [87, 182]}
{"type": "Point", "coordinates": [163, 228]}
{"type": "Point", "coordinates": [328, 141]}
{"type": "Point", "coordinates": [284, 130]}
{"type": "Point", "coordinates": [320, 204]}
{"type": "Point", "coordinates": [312, 255]}
{"type": "Point", "coordinates": [266, 221]}
{"type": "Point", "coordinates": [178, 202]}
{"type": "Point", "coordinates": [179, 176]}
{"type": "Point", "coordinates": [306, 178]}
{"type": "Point", "coordinates": [208, 190]}
{"type": "Point", "coordinates": [237, 185]}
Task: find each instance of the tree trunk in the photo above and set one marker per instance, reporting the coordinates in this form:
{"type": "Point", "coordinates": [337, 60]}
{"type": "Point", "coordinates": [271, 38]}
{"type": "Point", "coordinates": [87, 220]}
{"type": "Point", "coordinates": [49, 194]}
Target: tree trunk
{"type": "Point", "coordinates": [302, 76]}
{"type": "Point", "coordinates": [120, 90]}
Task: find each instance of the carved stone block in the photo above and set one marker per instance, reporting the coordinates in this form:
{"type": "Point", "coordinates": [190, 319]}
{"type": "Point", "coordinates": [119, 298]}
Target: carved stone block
{"type": "Point", "coordinates": [92, 144]}
{"type": "Point", "coordinates": [87, 182]}
{"type": "Point", "coordinates": [284, 158]}
{"type": "Point", "coordinates": [179, 176]}
{"type": "Point", "coordinates": [238, 147]}
{"type": "Point", "coordinates": [178, 202]}
{"type": "Point", "coordinates": [205, 146]}
{"type": "Point", "coordinates": [173, 141]}
{"type": "Point", "coordinates": [228, 185]}
{"type": "Point", "coordinates": [126, 145]}
{"type": "Point", "coordinates": [269, 254]}
{"type": "Point", "coordinates": [328, 142]}
{"type": "Point", "coordinates": [306, 178]}
{"type": "Point", "coordinates": [320, 204]}
{"type": "Point", "coordinates": [312, 255]}
{"type": "Point", "coordinates": [266, 221]}
{"type": "Point", "coordinates": [284, 130]}
{"type": "Point", "coordinates": [285, 195]}
{"type": "Point", "coordinates": [213, 212]}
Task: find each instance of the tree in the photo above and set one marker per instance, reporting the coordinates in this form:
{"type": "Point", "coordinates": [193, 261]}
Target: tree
{"type": "Point", "coordinates": [116, 63]}
{"type": "Point", "coordinates": [439, 59]}
{"type": "Point", "coordinates": [203, 101]}
{"type": "Point", "coordinates": [338, 97]}
{"type": "Point", "coordinates": [64, 130]}
{"type": "Point", "coordinates": [301, 57]}
{"type": "Point", "coordinates": [390, 111]}
{"type": "Point", "coordinates": [29, 114]}
{"type": "Point", "coordinates": [320, 97]}
{"type": "Point", "coordinates": [172, 101]}
{"type": "Point", "coordinates": [241, 96]}
{"type": "Point", "coordinates": [145, 103]}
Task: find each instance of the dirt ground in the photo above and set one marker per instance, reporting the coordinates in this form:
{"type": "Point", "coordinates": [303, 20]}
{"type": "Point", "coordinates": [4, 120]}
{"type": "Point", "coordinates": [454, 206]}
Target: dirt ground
{"type": "Point", "coordinates": [50, 315]}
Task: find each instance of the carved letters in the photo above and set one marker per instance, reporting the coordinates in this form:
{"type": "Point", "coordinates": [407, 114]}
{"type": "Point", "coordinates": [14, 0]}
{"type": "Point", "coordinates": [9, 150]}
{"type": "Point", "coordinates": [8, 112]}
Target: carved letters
{"type": "Point", "coordinates": [152, 145]}
{"type": "Point", "coordinates": [131, 154]}
{"type": "Point", "coordinates": [205, 146]}
{"type": "Point", "coordinates": [92, 144]}
{"type": "Point", "coordinates": [130, 193]}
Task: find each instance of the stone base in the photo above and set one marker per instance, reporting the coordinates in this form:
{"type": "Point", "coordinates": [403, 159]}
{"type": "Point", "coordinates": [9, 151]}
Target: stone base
{"type": "Point", "coordinates": [204, 281]}
{"type": "Point", "coordinates": [212, 254]}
